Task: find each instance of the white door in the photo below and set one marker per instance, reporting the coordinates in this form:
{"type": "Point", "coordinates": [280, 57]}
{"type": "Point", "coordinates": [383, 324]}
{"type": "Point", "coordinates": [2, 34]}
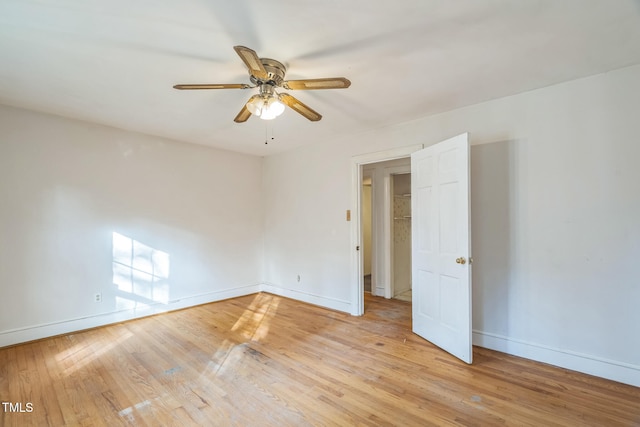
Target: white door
{"type": "Point", "coordinates": [441, 246]}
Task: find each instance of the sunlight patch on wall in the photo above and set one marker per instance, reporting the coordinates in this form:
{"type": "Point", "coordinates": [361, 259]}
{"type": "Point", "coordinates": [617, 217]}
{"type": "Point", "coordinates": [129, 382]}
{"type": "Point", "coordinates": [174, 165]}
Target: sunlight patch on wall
{"type": "Point", "coordinates": [140, 273]}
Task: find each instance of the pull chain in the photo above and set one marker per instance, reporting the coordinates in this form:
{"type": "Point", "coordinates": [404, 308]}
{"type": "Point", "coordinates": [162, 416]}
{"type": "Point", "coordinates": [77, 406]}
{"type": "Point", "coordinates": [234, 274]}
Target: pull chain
{"type": "Point", "coordinates": [266, 133]}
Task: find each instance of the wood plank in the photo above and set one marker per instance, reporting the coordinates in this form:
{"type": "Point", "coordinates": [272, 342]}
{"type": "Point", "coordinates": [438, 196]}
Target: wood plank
{"type": "Point", "coordinates": [267, 360]}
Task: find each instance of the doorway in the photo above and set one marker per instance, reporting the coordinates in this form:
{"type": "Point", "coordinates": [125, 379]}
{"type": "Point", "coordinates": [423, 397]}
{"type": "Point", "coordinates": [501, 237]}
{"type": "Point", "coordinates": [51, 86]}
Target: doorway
{"type": "Point", "coordinates": [441, 275]}
{"type": "Point", "coordinates": [367, 232]}
{"type": "Point", "coordinates": [401, 237]}
{"type": "Point", "coordinates": [361, 166]}
{"type": "Point", "coordinates": [386, 228]}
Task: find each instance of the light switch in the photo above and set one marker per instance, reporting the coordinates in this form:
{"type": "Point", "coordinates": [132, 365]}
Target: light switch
{"type": "Point", "coordinates": [348, 215]}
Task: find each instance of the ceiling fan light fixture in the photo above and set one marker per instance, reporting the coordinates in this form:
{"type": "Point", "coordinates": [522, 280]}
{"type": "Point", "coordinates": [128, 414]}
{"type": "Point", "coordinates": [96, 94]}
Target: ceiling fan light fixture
{"type": "Point", "coordinates": [254, 105]}
{"type": "Point", "coordinates": [272, 108]}
{"type": "Point", "coordinates": [267, 107]}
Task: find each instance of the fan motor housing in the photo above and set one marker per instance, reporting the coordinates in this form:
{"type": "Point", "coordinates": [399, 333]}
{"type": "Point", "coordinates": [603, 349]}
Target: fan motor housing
{"type": "Point", "coordinates": [275, 69]}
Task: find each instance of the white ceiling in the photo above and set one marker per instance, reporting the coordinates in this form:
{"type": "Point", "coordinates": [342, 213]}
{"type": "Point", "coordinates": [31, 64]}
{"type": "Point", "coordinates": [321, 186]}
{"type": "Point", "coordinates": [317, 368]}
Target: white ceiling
{"type": "Point", "coordinates": [114, 62]}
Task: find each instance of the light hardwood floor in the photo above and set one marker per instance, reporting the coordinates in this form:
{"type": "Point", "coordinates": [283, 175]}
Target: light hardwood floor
{"type": "Point", "coordinates": [263, 360]}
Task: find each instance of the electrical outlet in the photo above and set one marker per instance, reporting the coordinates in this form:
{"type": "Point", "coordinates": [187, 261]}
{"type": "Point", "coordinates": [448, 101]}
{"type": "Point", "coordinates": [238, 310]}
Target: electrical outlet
{"type": "Point", "coordinates": [97, 297]}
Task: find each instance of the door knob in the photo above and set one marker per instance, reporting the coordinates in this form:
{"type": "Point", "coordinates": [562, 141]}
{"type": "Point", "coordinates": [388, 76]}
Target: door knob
{"type": "Point", "coordinates": [461, 260]}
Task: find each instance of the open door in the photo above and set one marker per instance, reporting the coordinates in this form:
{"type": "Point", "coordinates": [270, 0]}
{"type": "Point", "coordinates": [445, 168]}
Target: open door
{"type": "Point", "coordinates": [441, 246]}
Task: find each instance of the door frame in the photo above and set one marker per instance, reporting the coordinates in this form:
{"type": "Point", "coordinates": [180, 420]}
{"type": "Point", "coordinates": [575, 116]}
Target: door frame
{"type": "Point", "coordinates": [357, 281]}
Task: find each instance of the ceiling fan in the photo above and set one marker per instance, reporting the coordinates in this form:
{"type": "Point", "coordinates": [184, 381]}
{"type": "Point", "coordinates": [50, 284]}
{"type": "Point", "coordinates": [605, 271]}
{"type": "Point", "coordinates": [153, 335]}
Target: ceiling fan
{"type": "Point", "coordinates": [268, 74]}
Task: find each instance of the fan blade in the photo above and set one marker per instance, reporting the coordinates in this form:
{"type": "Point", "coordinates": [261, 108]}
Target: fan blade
{"type": "Point", "coordinates": [243, 115]}
{"type": "Point", "coordinates": [251, 60]}
{"type": "Point", "coordinates": [310, 84]}
{"type": "Point", "coordinates": [299, 107]}
{"type": "Point", "coordinates": [213, 86]}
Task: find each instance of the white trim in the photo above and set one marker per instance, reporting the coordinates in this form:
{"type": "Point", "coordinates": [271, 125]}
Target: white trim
{"type": "Point", "coordinates": [610, 369]}
{"type": "Point", "coordinates": [45, 330]}
{"type": "Point", "coordinates": [381, 156]}
{"type": "Point", "coordinates": [357, 288]}
{"type": "Point", "coordinates": [357, 285]}
{"type": "Point", "coordinates": [315, 299]}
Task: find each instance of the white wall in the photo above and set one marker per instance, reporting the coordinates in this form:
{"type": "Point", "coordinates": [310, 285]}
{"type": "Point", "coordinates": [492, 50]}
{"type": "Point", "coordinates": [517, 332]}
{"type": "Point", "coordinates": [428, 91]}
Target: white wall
{"type": "Point", "coordinates": [67, 186]}
{"type": "Point", "coordinates": [555, 220]}
{"type": "Point", "coordinates": [305, 233]}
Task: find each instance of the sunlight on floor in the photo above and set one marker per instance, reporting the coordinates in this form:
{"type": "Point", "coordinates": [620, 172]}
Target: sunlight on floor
{"type": "Point", "coordinates": [86, 352]}
{"type": "Point", "coordinates": [252, 325]}
{"type": "Point", "coordinates": [254, 322]}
